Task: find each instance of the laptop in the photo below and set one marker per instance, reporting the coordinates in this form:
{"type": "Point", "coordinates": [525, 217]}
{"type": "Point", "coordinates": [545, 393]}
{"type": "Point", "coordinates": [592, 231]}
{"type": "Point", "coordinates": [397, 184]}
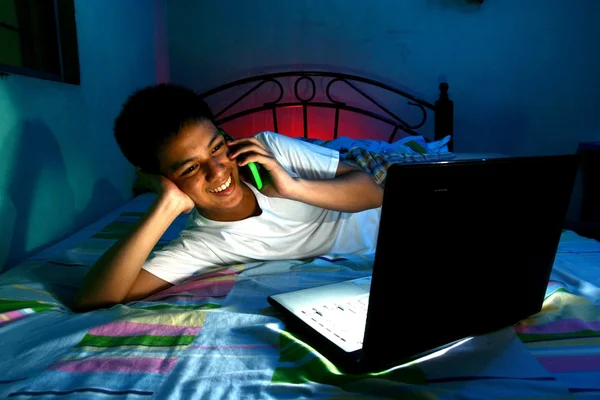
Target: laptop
{"type": "Point", "coordinates": [455, 237]}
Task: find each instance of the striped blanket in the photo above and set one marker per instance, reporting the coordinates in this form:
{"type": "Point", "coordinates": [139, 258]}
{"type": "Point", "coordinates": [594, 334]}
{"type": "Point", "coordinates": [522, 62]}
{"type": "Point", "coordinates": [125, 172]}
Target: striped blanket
{"type": "Point", "coordinates": [376, 156]}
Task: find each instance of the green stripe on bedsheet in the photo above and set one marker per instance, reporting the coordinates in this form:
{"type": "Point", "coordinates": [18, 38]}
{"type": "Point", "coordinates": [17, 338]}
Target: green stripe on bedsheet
{"type": "Point", "coordinates": [536, 337]}
{"type": "Point", "coordinates": [143, 340]}
{"type": "Point", "coordinates": [12, 305]}
{"type": "Point", "coordinates": [298, 364]}
{"type": "Point", "coordinates": [567, 344]}
{"type": "Point", "coordinates": [176, 307]}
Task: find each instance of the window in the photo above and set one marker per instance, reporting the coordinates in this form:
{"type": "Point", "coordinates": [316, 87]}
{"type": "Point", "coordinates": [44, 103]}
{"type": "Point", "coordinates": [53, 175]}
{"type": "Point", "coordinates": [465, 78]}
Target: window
{"type": "Point", "coordinates": [39, 39]}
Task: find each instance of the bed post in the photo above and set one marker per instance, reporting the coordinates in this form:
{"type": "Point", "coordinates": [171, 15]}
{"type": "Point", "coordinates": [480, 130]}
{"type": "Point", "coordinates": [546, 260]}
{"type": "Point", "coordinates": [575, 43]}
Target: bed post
{"type": "Point", "coordinates": [444, 116]}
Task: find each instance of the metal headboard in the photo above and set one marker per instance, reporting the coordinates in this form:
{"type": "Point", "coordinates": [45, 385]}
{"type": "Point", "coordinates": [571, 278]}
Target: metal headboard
{"type": "Point", "coordinates": [443, 108]}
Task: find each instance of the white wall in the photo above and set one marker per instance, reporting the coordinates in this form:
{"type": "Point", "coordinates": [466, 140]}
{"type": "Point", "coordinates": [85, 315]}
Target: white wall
{"type": "Point", "coordinates": [60, 168]}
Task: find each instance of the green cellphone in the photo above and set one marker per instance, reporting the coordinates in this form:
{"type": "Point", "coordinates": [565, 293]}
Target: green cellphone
{"type": "Point", "coordinates": [252, 166]}
{"type": "Point", "coordinates": [255, 175]}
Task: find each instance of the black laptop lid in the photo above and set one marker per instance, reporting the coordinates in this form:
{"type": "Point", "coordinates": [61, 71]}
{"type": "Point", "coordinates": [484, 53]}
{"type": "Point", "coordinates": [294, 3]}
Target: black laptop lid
{"type": "Point", "coordinates": [464, 248]}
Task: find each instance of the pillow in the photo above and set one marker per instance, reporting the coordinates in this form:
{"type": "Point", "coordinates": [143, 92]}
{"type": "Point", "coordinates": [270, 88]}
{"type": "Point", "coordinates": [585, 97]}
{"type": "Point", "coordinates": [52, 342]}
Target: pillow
{"type": "Point", "coordinates": [406, 145]}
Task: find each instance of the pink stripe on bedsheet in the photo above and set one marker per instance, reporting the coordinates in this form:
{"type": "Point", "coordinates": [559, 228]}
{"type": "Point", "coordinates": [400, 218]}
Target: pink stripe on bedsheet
{"type": "Point", "coordinates": [12, 315]}
{"type": "Point", "coordinates": [583, 363]}
{"type": "Point", "coordinates": [222, 272]}
{"type": "Point", "coordinates": [129, 365]}
{"type": "Point", "coordinates": [561, 326]}
{"type": "Point", "coordinates": [214, 287]}
{"type": "Point", "coordinates": [134, 329]}
{"type": "Point", "coordinates": [175, 298]}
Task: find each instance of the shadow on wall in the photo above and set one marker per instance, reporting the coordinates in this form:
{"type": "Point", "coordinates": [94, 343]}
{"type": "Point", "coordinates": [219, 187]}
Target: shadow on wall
{"type": "Point", "coordinates": [36, 156]}
{"type": "Point", "coordinates": [104, 192]}
{"type": "Point", "coordinates": [41, 203]}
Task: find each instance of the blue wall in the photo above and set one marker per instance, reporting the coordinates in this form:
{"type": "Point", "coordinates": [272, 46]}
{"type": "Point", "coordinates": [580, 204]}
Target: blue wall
{"type": "Point", "coordinates": [61, 168]}
{"type": "Point", "coordinates": [523, 74]}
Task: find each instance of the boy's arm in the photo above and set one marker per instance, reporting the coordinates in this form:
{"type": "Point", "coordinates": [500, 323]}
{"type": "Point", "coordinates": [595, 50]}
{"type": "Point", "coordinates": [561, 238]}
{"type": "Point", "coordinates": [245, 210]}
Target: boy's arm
{"type": "Point", "coordinates": [351, 190]}
{"type": "Point", "coordinates": [117, 276]}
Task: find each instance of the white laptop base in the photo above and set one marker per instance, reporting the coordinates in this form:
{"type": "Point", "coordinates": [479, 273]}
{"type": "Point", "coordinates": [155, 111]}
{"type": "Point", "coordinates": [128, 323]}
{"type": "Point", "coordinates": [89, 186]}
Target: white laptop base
{"type": "Point", "coordinates": [338, 311]}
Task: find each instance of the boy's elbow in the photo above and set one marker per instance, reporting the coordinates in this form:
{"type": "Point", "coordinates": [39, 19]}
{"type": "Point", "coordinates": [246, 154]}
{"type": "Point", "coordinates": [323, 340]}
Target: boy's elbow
{"type": "Point", "coordinates": [83, 303]}
{"type": "Point", "coordinates": [368, 191]}
{"type": "Point", "coordinates": [376, 198]}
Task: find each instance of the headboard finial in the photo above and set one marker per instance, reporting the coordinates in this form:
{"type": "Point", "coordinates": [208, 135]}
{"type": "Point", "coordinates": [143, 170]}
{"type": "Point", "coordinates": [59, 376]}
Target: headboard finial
{"type": "Point", "coordinates": [444, 90]}
{"type": "Point", "coordinates": [444, 116]}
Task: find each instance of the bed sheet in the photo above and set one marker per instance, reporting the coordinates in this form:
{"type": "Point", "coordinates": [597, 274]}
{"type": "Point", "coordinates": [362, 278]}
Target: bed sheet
{"type": "Point", "coordinates": [215, 336]}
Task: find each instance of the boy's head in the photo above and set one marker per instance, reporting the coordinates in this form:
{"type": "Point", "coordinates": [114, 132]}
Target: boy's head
{"type": "Point", "coordinates": [154, 115]}
{"type": "Point", "coordinates": [169, 130]}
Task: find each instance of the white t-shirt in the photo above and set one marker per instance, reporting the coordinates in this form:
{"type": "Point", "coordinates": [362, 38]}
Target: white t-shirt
{"type": "Point", "coordinates": [285, 230]}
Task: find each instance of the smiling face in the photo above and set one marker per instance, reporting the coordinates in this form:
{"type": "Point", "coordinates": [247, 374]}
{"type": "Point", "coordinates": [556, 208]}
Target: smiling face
{"type": "Point", "coordinates": [196, 161]}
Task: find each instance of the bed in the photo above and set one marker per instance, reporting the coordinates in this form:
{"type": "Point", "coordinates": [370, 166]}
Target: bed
{"type": "Point", "coordinates": [215, 335]}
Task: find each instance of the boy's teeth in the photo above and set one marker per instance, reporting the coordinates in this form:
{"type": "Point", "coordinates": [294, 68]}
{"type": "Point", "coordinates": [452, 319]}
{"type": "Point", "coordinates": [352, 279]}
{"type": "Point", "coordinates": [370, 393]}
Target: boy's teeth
{"type": "Point", "coordinates": [223, 186]}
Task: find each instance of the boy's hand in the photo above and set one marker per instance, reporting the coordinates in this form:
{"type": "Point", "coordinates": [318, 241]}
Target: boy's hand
{"type": "Point", "coordinates": [279, 183]}
{"type": "Point", "coordinates": [165, 189]}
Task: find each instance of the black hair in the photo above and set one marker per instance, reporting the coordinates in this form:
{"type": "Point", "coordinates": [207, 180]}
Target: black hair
{"type": "Point", "coordinates": [151, 116]}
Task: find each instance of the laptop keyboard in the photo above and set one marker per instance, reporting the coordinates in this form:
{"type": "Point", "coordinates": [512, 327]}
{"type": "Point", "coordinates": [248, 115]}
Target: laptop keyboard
{"type": "Point", "coordinates": [345, 319]}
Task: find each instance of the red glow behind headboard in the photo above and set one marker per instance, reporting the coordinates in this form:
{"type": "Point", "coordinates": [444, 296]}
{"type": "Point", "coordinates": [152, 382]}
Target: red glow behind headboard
{"type": "Point", "coordinates": [322, 105]}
